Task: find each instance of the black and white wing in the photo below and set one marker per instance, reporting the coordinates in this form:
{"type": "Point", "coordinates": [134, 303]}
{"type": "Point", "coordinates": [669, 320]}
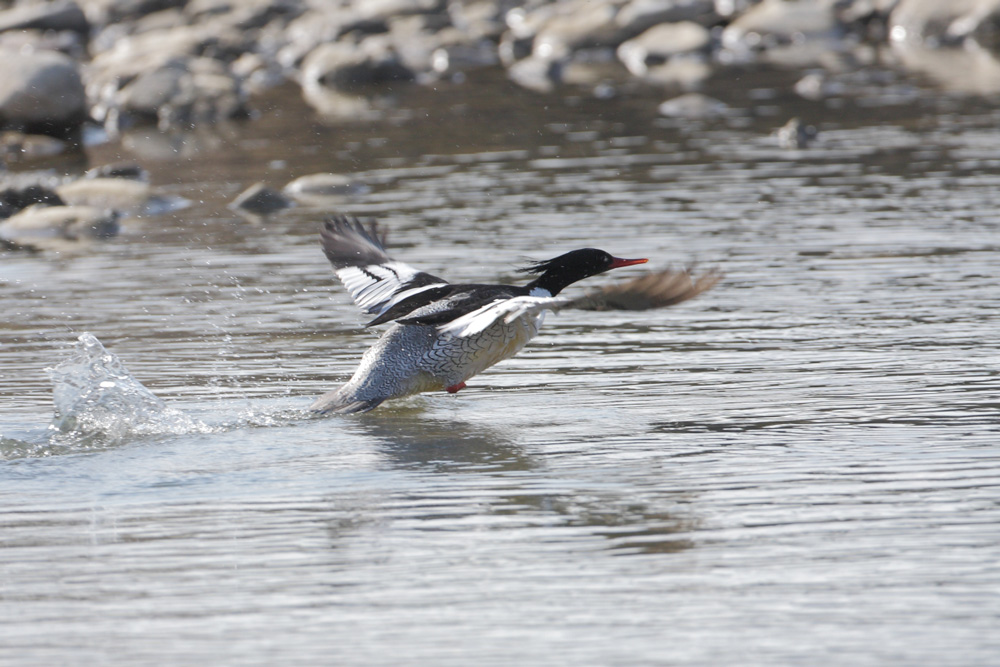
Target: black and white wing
{"type": "Point", "coordinates": [650, 291]}
{"type": "Point", "coordinates": [378, 284]}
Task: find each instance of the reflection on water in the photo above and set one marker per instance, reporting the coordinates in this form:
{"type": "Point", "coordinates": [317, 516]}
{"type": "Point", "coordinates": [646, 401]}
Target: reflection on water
{"type": "Point", "coordinates": [799, 466]}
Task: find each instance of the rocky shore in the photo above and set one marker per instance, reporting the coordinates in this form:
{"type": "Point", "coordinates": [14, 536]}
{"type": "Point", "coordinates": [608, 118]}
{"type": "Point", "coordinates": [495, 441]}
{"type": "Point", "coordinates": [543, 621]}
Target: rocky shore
{"type": "Point", "coordinates": [119, 64]}
{"type": "Point", "coordinates": [186, 62]}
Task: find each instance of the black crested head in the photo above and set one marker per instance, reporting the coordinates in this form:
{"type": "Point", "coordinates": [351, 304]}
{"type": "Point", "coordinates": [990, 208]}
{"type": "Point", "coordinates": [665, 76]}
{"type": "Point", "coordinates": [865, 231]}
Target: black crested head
{"type": "Point", "coordinates": [559, 272]}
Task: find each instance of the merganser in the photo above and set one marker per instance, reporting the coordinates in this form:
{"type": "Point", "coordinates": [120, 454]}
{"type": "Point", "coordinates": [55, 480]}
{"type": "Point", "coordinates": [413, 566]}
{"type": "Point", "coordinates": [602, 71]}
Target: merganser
{"type": "Point", "coordinates": [443, 333]}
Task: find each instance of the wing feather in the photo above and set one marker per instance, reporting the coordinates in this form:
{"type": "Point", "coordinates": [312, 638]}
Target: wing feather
{"type": "Point", "coordinates": [374, 280]}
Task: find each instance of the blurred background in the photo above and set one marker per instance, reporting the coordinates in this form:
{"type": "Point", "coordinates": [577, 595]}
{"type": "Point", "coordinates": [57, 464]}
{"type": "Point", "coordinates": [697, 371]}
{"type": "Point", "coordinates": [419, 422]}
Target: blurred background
{"type": "Point", "coordinates": [797, 467]}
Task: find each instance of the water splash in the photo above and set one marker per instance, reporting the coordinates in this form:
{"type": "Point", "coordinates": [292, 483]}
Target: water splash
{"type": "Point", "coordinates": [95, 395]}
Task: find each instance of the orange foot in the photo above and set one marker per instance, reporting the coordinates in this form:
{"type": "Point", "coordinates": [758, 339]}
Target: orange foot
{"type": "Point", "coordinates": [455, 388]}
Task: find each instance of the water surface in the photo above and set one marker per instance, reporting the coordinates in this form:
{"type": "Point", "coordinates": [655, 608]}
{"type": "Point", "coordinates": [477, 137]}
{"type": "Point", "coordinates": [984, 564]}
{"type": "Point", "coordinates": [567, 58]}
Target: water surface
{"type": "Point", "coordinates": [800, 466]}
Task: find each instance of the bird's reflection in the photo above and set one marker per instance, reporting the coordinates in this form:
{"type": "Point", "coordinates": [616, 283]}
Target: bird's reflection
{"type": "Point", "coordinates": [516, 488]}
{"type": "Point", "coordinates": [410, 438]}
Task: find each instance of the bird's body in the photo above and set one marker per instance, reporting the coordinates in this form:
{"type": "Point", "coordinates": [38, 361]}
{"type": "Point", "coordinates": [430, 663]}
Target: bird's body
{"type": "Point", "coordinates": [442, 333]}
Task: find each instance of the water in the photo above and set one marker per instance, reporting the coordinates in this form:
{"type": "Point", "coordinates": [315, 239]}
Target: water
{"type": "Point", "coordinates": [799, 467]}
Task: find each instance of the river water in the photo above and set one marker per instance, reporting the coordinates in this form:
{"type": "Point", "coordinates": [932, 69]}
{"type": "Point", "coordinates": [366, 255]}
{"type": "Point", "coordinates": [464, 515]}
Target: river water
{"type": "Point", "coordinates": [799, 467]}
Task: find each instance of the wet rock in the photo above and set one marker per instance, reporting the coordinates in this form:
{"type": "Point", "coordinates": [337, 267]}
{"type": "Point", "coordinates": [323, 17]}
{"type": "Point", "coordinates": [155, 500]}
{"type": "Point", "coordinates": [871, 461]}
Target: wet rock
{"type": "Point", "coordinates": [49, 16]}
{"type": "Point", "coordinates": [16, 198]}
{"type": "Point", "coordinates": [477, 20]}
{"type": "Point", "coordinates": [34, 225]}
{"type": "Point", "coordinates": [102, 12]}
{"type": "Point", "coordinates": [938, 22]}
{"type": "Point", "coordinates": [970, 70]}
{"type": "Point", "coordinates": [124, 195]}
{"type": "Point", "coordinates": [818, 86]}
{"type": "Point", "coordinates": [777, 22]}
{"type": "Point", "coordinates": [796, 135]}
{"type": "Point", "coordinates": [660, 43]}
{"type": "Point", "coordinates": [41, 92]}
{"type": "Point", "coordinates": [459, 57]}
{"type": "Point", "coordinates": [640, 15]}
{"type": "Point", "coordinates": [682, 72]}
{"type": "Point", "coordinates": [184, 93]}
{"type": "Point", "coordinates": [579, 24]}
{"type": "Point", "coordinates": [129, 170]}
{"type": "Point", "coordinates": [350, 67]}
{"type": "Point", "coordinates": [316, 187]}
{"type": "Point", "coordinates": [259, 199]}
{"type": "Point", "coordinates": [385, 9]}
{"type": "Point", "coordinates": [536, 73]}
{"type": "Point", "coordinates": [693, 105]}
{"type": "Point", "coordinates": [16, 146]}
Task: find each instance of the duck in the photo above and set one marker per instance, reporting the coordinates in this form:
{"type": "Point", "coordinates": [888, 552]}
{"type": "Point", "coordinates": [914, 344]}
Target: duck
{"type": "Point", "coordinates": [442, 334]}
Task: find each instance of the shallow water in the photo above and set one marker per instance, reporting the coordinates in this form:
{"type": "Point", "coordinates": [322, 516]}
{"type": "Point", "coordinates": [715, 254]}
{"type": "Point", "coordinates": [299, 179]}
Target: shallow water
{"type": "Point", "coordinates": [800, 466]}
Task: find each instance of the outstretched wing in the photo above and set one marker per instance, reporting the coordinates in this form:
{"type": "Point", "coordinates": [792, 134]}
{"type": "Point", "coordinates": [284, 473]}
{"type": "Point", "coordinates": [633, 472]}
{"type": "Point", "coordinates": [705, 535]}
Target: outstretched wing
{"type": "Point", "coordinates": [377, 283]}
{"type": "Point", "coordinates": [653, 290]}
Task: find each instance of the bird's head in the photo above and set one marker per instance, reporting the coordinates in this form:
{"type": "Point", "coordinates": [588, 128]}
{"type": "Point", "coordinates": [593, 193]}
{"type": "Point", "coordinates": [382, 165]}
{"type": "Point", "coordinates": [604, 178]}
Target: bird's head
{"type": "Point", "coordinates": [557, 273]}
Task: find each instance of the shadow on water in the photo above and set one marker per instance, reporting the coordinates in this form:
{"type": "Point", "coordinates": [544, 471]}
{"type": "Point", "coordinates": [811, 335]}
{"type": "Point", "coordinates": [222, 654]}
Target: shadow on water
{"type": "Point", "coordinates": [514, 486]}
{"type": "Point", "coordinates": [411, 439]}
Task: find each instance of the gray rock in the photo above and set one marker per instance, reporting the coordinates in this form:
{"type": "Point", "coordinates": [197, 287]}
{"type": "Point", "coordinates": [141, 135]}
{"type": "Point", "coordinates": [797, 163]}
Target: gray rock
{"type": "Point", "coordinates": [578, 24]}
{"type": "Point", "coordinates": [776, 22]}
{"type": "Point", "coordinates": [102, 12]}
{"type": "Point", "coordinates": [129, 170]}
{"type": "Point", "coordinates": [185, 92]}
{"type": "Point", "coordinates": [693, 105]}
{"type": "Point", "coordinates": [56, 16]}
{"type": "Point", "coordinates": [349, 67]}
{"type": "Point", "coordinates": [259, 199]}
{"type": "Point", "coordinates": [317, 187]}
{"type": "Point", "coordinates": [658, 44]}
{"type": "Point", "coordinates": [966, 71]}
{"type": "Point", "coordinates": [124, 195]}
{"type": "Point", "coordinates": [15, 146]}
{"type": "Point", "coordinates": [385, 9]}
{"type": "Point", "coordinates": [640, 15]}
{"type": "Point", "coordinates": [937, 21]}
{"type": "Point", "coordinates": [535, 73]}
{"type": "Point", "coordinates": [796, 135]}
{"type": "Point", "coordinates": [41, 92]}
{"type": "Point", "coordinates": [38, 223]}
{"type": "Point", "coordinates": [13, 198]}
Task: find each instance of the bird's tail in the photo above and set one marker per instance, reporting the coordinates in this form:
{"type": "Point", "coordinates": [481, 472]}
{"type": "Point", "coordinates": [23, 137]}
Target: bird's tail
{"type": "Point", "coordinates": [343, 402]}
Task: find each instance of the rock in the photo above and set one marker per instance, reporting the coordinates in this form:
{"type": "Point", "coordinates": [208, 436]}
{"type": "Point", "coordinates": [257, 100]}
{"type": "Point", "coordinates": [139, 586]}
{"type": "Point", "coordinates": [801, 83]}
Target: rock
{"type": "Point", "coordinates": [693, 105]}
{"type": "Point", "coordinates": [640, 15]}
{"type": "Point", "coordinates": [350, 67]}
{"type": "Point", "coordinates": [259, 199]}
{"type": "Point", "coordinates": [452, 58]}
{"type": "Point", "coordinates": [477, 20]}
{"type": "Point", "coordinates": [316, 187]}
{"type": "Point", "coordinates": [796, 135]}
{"type": "Point", "coordinates": [776, 22]}
{"type": "Point", "coordinates": [16, 146]}
{"type": "Point", "coordinates": [183, 93]}
{"type": "Point", "coordinates": [71, 223]}
{"type": "Point", "coordinates": [658, 44]}
{"type": "Point", "coordinates": [119, 194]}
{"type": "Point", "coordinates": [578, 24]}
{"type": "Point", "coordinates": [535, 73]}
{"type": "Point", "coordinates": [49, 16]}
{"type": "Point", "coordinates": [41, 92]}
{"type": "Point", "coordinates": [971, 70]}
{"type": "Point", "coordinates": [385, 9]}
{"type": "Point", "coordinates": [940, 22]}
{"type": "Point", "coordinates": [103, 12]}
{"type": "Point", "coordinates": [14, 198]}
{"type": "Point", "coordinates": [817, 86]}
{"type": "Point", "coordinates": [128, 170]}
{"type": "Point", "coordinates": [682, 72]}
